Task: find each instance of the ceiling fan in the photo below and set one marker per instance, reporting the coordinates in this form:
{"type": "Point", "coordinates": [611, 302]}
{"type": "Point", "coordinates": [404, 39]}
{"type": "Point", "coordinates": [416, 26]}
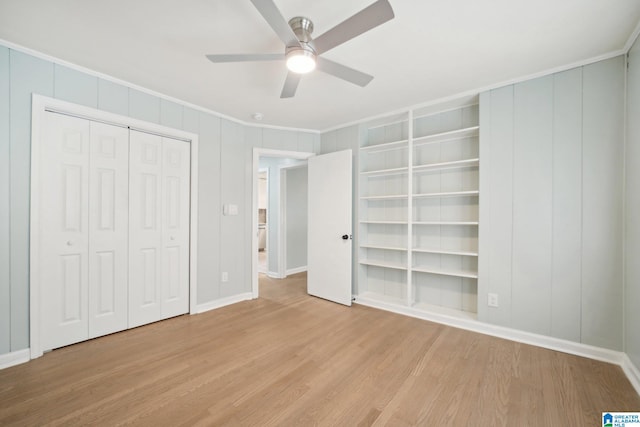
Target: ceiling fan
{"type": "Point", "coordinates": [302, 52]}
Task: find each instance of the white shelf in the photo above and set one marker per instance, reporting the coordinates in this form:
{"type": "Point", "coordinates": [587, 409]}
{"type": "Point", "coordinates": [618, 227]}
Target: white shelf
{"type": "Point", "coordinates": [383, 172]}
{"type": "Point", "coordinates": [385, 146]}
{"type": "Point", "coordinates": [445, 222]}
{"type": "Point", "coordinates": [387, 197]}
{"type": "Point", "coordinates": [384, 222]}
{"type": "Point", "coordinates": [448, 194]}
{"type": "Point", "coordinates": [384, 264]}
{"type": "Point", "coordinates": [444, 311]}
{"type": "Point", "coordinates": [447, 165]}
{"type": "Point", "coordinates": [446, 136]}
{"type": "Point", "coordinates": [386, 248]}
{"type": "Point", "coordinates": [467, 274]}
{"type": "Point", "coordinates": [444, 252]}
{"type": "Point", "coordinates": [402, 162]}
{"type": "Point", "coordinates": [384, 299]}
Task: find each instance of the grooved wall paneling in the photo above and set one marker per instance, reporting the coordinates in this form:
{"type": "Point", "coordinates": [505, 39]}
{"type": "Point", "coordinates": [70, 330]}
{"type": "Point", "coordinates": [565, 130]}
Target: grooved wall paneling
{"type": "Point", "coordinates": [5, 203]}
{"type": "Point", "coordinates": [532, 208]}
{"type": "Point", "coordinates": [632, 203]}
{"type": "Point", "coordinates": [27, 75]}
{"type": "Point", "coordinates": [551, 204]}
{"type": "Point", "coordinates": [566, 272]}
{"type": "Point", "coordinates": [602, 163]}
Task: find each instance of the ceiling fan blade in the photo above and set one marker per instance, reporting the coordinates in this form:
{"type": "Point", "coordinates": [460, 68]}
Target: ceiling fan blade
{"type": "Point", "coordinates": [274, 18]}
{"type": "Point", "coordinates": [363, 21]}
{"type": "Point", "coordinates": [290, 85]}
{"type": "Point", "coordinates": [343, 72]}
{"type": "Point", "coordinates": [247, 57]}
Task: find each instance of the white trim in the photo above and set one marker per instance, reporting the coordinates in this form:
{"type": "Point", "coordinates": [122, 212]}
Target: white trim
{"type": "Point", "coordinates": [142, 89]}
{"type": "Point", "coordinates": [222, 302]}
{"type": "Point", "coordinates": [296, 270]}
{"type": "Point", "coordinates": [14, 358]}
{"type": "Point", "coordinates": [578, 349]}
{"type": "Point", "coordinates": [632, 38]}
{"type": "Point", "coordinates": [257, 153]}
{"type": "Point", "coordinates": [632, 372]}
{"type": "Point", "coordinates": [41, 104]}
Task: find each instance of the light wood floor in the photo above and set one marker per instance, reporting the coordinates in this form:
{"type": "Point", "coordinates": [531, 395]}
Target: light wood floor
{"type": "Point", "coordinates": [294, 360]}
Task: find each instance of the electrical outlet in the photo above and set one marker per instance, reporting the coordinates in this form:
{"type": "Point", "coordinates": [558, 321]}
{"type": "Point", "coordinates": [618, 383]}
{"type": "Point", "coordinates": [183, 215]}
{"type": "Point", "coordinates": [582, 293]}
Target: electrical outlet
{"type": "Point", "coordinates": [492, 300]}
{"type": "Point", "coordinates": [225, 276]}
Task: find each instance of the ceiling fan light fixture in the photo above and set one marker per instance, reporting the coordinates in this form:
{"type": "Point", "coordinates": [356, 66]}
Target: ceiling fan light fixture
{"type": "Point", "coordinates": [301, 61]}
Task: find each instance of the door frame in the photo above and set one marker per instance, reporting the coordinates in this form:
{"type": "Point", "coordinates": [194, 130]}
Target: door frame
{"type": "Point", "coordinates": [39, 107]}
{"type": "Point", "coordinates": [257, 153]}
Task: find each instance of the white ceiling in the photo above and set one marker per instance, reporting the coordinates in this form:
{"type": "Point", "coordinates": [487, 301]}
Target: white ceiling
{"type": "Point", "coordinates": [432, 49]}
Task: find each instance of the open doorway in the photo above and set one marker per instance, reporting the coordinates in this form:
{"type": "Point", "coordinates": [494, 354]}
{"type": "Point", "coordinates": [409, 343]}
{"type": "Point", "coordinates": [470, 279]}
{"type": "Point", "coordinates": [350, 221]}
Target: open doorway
{"type": "Point", "coordinates": [285, 216]}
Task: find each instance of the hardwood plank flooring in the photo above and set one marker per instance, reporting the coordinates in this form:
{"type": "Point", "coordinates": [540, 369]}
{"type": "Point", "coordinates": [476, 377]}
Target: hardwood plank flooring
{"type": "Point", "coordinates": [293, 360]}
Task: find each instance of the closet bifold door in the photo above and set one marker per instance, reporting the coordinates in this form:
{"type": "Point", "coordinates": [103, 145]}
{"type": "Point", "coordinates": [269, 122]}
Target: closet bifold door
{"type": "Point", "coordinates": [108, 228]}
{"type": "Point", "coordinates": [159, 171]}
{"type": "Point", "coordinates": [145, 228]}
{"type": "Point", "coordinates": [176, 159]}
{"type": "Point", "coordinates": [63, 230]}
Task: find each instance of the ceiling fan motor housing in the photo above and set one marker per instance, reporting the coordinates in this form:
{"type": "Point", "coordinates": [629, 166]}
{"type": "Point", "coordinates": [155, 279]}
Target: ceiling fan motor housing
{"type": "Point", "coordinates": [302, 27]}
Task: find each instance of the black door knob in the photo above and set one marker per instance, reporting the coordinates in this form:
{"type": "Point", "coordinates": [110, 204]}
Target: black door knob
{"type": "Point", "coordinates": [345, 237]}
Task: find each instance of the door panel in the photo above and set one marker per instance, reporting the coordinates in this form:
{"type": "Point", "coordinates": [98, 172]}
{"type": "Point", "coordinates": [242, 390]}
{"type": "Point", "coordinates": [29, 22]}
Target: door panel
{"type": "Point", "coordinates": [145, 240]}
{"type": "Point", "coordinates": [175, 275]}
{"type": "Point", "coordinates": [330, 202]}
{"type": "Point", "coordinates": [64, 178]}
{"type": "Point", "coordinates": [108, 229]}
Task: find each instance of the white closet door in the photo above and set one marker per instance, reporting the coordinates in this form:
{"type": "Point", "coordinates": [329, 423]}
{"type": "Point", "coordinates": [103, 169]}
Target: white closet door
{"type": "Point", "coordinates": [145, 228]}
{"type": "Point", "coordinates": [108, 229]}
{"type": "Point", "coordinates": [175, 235]}
{"type": "Point", "coordinates": [63, 231]}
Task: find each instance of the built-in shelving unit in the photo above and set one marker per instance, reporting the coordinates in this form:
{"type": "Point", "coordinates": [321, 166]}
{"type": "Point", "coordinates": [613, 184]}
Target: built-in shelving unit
{"type": "Point", "coordinates": [418, 210]}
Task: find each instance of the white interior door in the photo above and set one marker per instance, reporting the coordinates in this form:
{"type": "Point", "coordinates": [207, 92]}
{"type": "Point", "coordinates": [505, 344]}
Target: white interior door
{"type": "Point", "coordinates": [175, 235]}
{"type": "Point", "coordinates": [330, 219]}
{"type": "Point", "coordinates": [145, 228]}
{"type": "Point", "coordinates": [108, 228]}
{"type": "Point", "coordinates": [63, 231]}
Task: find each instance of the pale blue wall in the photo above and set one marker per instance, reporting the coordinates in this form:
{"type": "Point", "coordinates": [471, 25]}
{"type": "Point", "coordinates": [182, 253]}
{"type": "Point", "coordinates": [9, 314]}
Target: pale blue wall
{"type": "Point", "coordinates": [632, 203]}
{"type": "Point", "coordinates": [225, 162]}
{"type": "Point", "coordinates": [296, 214]}
{"type": "Point", "coordinates": [551, 210]}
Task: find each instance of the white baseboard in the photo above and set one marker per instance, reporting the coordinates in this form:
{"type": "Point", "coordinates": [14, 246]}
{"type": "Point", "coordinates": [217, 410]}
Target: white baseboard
{"type": "Point", "coordinates": [222, 302]}
{"type": "Point", "coordinates": [632, 372]}
{"type": "Point", "coordinates": [564, 346]}
{"type": "Point", "coordinates": [296, 270]}
{"type": "Point", "coordinates": [14, 358]}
